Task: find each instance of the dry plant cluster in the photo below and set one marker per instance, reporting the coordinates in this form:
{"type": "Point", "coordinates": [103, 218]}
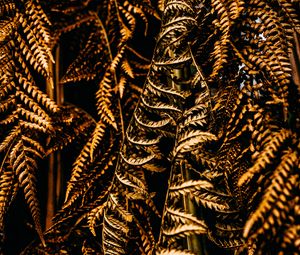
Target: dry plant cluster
{"type": "Point", "coordinates": [190, 147]}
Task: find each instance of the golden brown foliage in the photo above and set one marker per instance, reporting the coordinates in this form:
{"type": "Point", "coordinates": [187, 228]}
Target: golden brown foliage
{"type": "Point", "coordinates": [218, 117]}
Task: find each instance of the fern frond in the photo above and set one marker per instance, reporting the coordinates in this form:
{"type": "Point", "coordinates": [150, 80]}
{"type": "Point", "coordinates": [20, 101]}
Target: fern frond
{"type": "Point", "coordinates": [148, 123]}
{"type": "Point", "coordinates": [86, 65]}
{"type": "Point", "coordinates": [198, 119]}
{"type": "Point", "coordinates": [137, 161]}
{"type": "Point", "coordinates": [213, 202]}
{"type": "Point", "coordinates": [9, 139]}
{"type": "Point", "coordinates": [127, 68]}
{"type": "Point", "coordinates": [184, 230]}
{"type": "Point", "coordinates": [188, 187]}
{"type": "Point", "coordinates": [269, 152]}
{"type": "Point", "coordinates": [78, 167]}
{"type": "Point", "coordinates": [159, 89]}
{"type": "Point", "coordinates": [160, 106]}
{"type": "Point", "coordinates": [97, 137]}
{"type": "Point", "coordinates": [94, 215]}
{"type": "Point", "coordinates": [8, 190]}
{"type": "Point", "coordinates": [23, 158]}
{"type": "Point", "coordinates": [141, 141]}
{"type": "Point", "coordinates": [147, 238]}
{"type": "Point", "coordinates": [173, 252]}
{"type": "Point", "coordinates": [37, 46]}
{"type": "Point", "coordinates": [33, 91]}
{"type": "Point", "coordinates": [115, 205]}
{"type": "Point", "coordinates": [103, 96]}
{"type": "Point", "coordinates": [291, 236]}
{"type": "Point", "coordinates": [183, 217]}
{"type": "Point", "coordinates": [7, 7]}
{"type": "Point", "coordinates": [188, 140]}
{"type": "Point", "coordinates": [113, 235]}
{"type": "Point", "coordinates": [276, 193]}
{"type": "Point", "coordinates": [71, 124]}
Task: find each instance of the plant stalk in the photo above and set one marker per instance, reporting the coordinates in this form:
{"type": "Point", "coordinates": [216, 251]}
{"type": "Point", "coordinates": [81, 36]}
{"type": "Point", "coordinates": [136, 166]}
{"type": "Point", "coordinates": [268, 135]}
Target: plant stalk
{"type": "Point", "coordinates": [194, 243]}
{"type": "Point", "coordinates": [55, 178]}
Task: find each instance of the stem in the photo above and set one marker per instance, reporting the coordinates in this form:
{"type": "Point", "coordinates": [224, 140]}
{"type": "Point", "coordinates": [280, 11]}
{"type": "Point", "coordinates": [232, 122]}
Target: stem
{"type": "Point", "coordinates": [107, 44]}
{"type": "Point", "coordinates": [50, 210]}
{"type": "Point", "coordinates": [50, 207]}
{"type": "Point", "coordinates": [194, 243]}
{"type": "Point", "coordinates": [59, 100]}
{"type": "Point", "coordinates": [165, 206]}
{"type": "Point", "coordinates": [121, 119]}
{"type": "Point", "coordinates": [58, 87]}
{"type": "Point", "coordinates": [55, 177]}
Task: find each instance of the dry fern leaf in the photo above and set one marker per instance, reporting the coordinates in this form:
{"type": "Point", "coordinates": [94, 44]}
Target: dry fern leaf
{"type": "Point", "coordinates": [198, 119]}
{"type": "Point", "coordinates": [87, 66]}
{"type": "Point", "coordinates": [8, 190]}
{"type": "Point", "coordinates": [161, 90]}
{"type": "Point", "coordinates": [137, 161]}
{"type": "Point", "coordinates": [94, 215]}
{"type": "Point", "coordinates": [160, 106]}
{"type": "Point", "coordinates": [182, 217]}
{"type": "Point", "coordinates": [291, 237]}
{"type": "Point", "coordinates": [139, 140]}
{"type": "Point", "coordinates": [144, 122]}
{"type": "Point", "coordinates": [72, 124]}
{"type": "Point", "coordinates": [23, 159]}
{"type": "Point", "coordinates": [173, 252]}
{"type": "Point", "coordinates": [147, 238]}
{"type": "Point", "coordinates": [97, 137]}
{"type": "Point", "coordinates": [7, 7]}
{"type": "Point", "coordinates": [181, 231]}
{"type": "Point", "coordinates": [276, 193]}
{"type": "Point", "coordinates": [213, 202]}
{"type": "Point", "coordinates": [188, 187]}
{"type": "Point", "coordinates": [78, 167]}
{"type": "Point", "coordinates": [27, 110]}
{"type": "Point", "coordinates": [82, 176]}
{"type": "Point", "coordinates": [115, 205]}
{"type": "Point", "coordinates": [191, 139]}
{"type": "Point", "coordinates": [103, 97]}
{"type": "Point", "coordinates": [114, 235]}
{"type": "Point", "coordinates": [131, 181]}
{"type": "Point", "coordinates": [264, 158]}
{"type": "Point", "coordinates": [36, 48]}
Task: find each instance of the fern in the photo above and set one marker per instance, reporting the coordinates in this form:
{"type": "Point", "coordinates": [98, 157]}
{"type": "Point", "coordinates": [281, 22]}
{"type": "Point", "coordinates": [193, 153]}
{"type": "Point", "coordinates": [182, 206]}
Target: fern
{"type": "Point", "coordinates": [8, 187]}
{"type": "Point", "coordinates": [218, 117]}
{"type": "Point", "coordinates": [107, 57]}
{"type": "Point", "coordinates": [26, 115]}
